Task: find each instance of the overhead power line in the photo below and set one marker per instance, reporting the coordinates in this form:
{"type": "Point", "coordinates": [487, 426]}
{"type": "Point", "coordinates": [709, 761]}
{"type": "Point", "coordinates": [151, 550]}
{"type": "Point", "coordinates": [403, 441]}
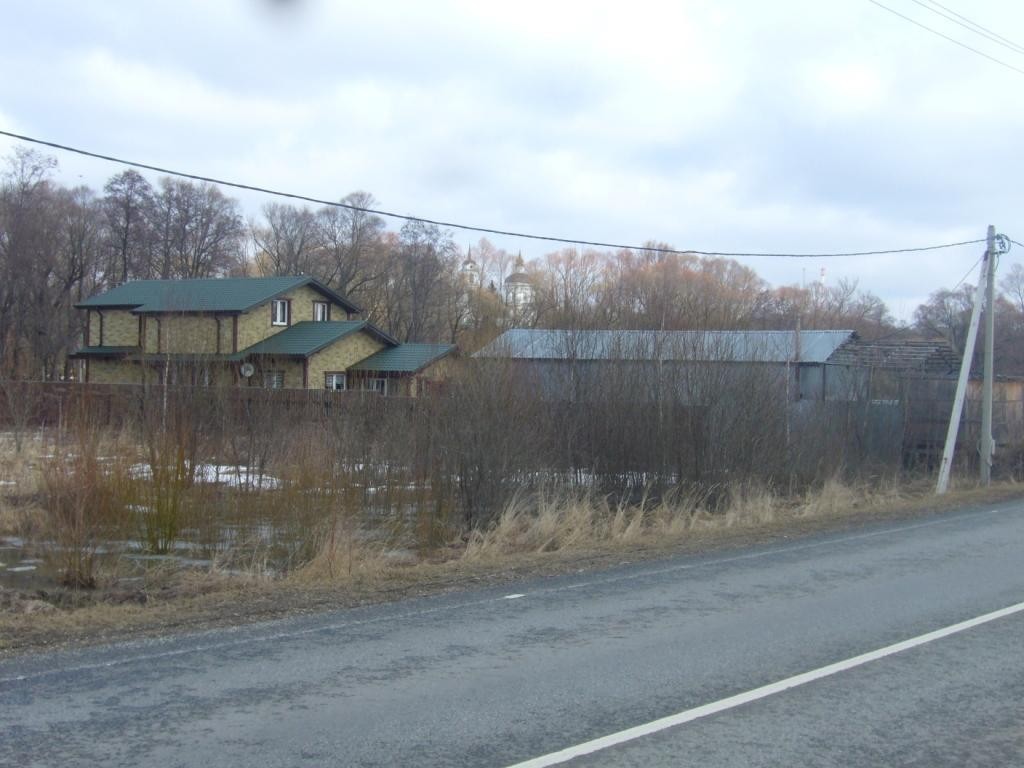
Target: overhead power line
{"type": "Point", "coordinates": [469, 227]}
{"type": "Point", "coordinates": [973, 26]}
{"type": "Point", "coordinates": [953, 40]}
{"type": "Point", "coordinates": [967, 274]}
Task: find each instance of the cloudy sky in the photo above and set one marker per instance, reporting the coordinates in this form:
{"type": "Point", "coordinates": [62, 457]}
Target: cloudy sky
{"type": "Point", "coordinates": [728, 125]}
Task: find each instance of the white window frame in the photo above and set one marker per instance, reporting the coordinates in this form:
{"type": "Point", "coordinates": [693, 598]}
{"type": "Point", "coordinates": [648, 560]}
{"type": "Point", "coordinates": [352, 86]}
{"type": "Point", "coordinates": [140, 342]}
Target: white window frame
{"type": "Point", "coordinates": [279, 312]}
{"type": "Point", "coordinates": [273, 379]}
{"type": "Point", "coordinates": [335, 376]}
{"type": "Point", "coordinates": [376, 384]}
{"type": "Point", "coordinates": [321, 311]}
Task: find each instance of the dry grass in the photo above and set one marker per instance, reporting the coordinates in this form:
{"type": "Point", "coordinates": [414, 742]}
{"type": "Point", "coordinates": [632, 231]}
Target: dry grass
{"type": "Point", "coordinates": [568, 536]}
{"type": "Point", "coordinates": [343, 556]}
{"type": "Point", "coordinates": [19, 484]}
{"type": "Point", "coordinates": [554, 522]}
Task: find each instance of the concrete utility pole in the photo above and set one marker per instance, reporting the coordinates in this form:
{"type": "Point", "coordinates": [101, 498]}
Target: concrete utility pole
{"type": "Point", "coordinates": [942, 485]}
{"type": "Point", "coordinates": [987, 444]}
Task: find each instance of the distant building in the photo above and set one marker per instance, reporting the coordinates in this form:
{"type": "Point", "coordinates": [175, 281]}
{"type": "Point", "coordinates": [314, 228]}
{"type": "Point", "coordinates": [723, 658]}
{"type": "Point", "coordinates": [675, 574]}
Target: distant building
{"type": "Point", "coordinates": [808, 365]}
{"type": "Point", "coordinates": [520, 294]}
{"type": "Point", "coordinates": [470, 271]}
{"type": "Point", "coordinates": [276, 332]}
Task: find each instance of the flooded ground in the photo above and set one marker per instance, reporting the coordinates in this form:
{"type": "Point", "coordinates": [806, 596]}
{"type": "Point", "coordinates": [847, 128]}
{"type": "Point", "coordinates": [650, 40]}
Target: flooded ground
{"type": "Point", "coordinates": [20, 568]}
{"type": "Point", "coordinates": [227, 518]}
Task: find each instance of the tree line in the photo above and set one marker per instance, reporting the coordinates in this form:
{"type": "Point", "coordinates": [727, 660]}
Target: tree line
{"type": "Point", "coordinates": [60, 245]}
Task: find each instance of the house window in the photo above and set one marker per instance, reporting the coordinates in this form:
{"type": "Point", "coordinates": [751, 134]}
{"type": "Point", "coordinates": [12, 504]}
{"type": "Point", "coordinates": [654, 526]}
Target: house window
{"type": "Point", "coordinates": [279, 312]}
{"type": "Point", "coordinates": [321, 312]}
{"type": "Point", "coordinates": [335, 381]}
{"type": "Point", "coordinates": [273, 379]}
{"type": "Point", "coordinates": [376, 385]}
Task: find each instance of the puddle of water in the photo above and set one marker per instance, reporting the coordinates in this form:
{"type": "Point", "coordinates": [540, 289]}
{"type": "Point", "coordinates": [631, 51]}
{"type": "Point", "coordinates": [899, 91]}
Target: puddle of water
{"type": "Point", "coordinates": [231, 529]}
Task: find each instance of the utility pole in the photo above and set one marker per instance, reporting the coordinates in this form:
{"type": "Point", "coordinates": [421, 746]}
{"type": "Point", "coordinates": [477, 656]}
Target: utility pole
{"type": "Point", "coordinates": [942, 485]}
{"type": "Point", "coordinates": [986, 385]}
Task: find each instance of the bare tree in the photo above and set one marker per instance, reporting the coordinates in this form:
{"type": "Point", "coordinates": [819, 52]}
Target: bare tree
{"type": "Point", "coordinates": [947, 314]}
{"type": "Point", "coordinates": [199, 231]}
{"type": "Point", "coordinates": [28, 242]}
{"type": "Point", "coordinates": [1012, 286]}
{"type": "Point", "coordinates": [128, 207]}
{"type": "Point", "coordinates": [421, 270]}
{"type": "Point", "coordinates": [289, 243]}
{"type": "Point", "coordinates": [353, 244]}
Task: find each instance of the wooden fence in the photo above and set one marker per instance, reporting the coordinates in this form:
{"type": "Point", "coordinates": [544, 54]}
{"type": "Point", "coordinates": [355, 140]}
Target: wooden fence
{"type": "Point", "coordinates": [51, 404]}
{"type": "Point", "coordinates": [912, 424]}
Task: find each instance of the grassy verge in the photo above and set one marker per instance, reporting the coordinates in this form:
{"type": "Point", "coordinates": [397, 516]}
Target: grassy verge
{"type": "Point", "coordinates": [539, 534]}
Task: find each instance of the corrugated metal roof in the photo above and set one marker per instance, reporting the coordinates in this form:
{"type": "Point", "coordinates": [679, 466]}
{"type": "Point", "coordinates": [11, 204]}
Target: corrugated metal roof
{"type": "Point", "coordinates": [222, 294]}
{"type": "Point", "coordinates": [908, 355]}
{"type": "Point", "coordinates": [303, 339]}
{"type": "Point", "coordinates": [739, 346]}
{"type": "Point", "coordinates": [406, 358]}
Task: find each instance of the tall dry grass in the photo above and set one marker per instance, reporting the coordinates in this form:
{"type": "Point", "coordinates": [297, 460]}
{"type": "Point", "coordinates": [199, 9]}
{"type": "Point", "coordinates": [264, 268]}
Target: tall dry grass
{"type": "Point", "coordinates": [84, 497]}
{"type": "Point", "coordinates": [380, 485]}
{"type": "Point", "coordinates": [19, 484]}
{"type": "Point", "coordinates": [565, 520]}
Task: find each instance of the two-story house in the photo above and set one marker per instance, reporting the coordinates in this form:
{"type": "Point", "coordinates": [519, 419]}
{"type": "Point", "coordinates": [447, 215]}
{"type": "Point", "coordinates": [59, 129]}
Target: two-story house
{"type": "Point", "coordinates": [280, 332]}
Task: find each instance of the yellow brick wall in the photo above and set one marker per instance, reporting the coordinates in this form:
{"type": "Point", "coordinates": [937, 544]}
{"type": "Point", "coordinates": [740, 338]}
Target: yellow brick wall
{"type": "Point", "coordinates": [402, 386]}
{"type": "Point", "coordinates": [113, 372]}
{"type": "Point", "coordinates": [120, 329]}
{"type": "Point", "coordinates": [292, 371]}
{"type": "Point", "coordinates": [152, 334]}
{"type": "Point", "coordinates": [442, 369]}
{"type": "Point", "coordinates": [188, 334]}
{"type": "Point", "coordinates": [94, 328]}
{"type": "Point", "coordinates": [439, 371]}
{"type": "Point", "coordinates": [226, 325]}
{"type": "Point", "coordinates": [191, 373]}
{"type": "Point", "coordinates": [255, 325]}
{"type": "Point", "coordinates": [129, 372]}
{"type": "Point", "coordinates": [302, 305]}
{"type": "Point", "coordinates": [340, 355]}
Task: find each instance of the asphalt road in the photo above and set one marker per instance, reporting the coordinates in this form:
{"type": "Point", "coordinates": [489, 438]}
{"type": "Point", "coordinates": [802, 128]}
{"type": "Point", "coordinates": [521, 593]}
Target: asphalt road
{"type": "Point", "coordinates": [500, 677]}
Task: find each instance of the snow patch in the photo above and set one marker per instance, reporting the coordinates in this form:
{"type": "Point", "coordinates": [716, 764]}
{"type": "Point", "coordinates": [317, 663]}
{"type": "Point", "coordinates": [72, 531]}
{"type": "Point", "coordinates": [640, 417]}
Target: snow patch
{"type": "Point", "coordinates": [230, 475]}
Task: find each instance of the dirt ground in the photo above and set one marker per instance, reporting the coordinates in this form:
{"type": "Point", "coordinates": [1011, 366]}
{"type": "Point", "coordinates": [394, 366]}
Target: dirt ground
{"type": "Point", "coordinates": [54, 621]}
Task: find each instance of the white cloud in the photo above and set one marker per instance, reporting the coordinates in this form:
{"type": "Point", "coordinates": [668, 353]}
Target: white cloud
{"type": "Point", "coordinates": [740, 126]}
{"type": "Point", "coordinates": [148, 93]}
{"type": "Point", "coordinates": [846, 87]}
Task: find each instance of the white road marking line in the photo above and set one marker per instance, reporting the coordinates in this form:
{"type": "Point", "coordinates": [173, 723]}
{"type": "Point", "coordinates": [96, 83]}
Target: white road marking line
{"type": "Point", "coordinates": [351, 623]}
{"type": "Point", "coordinates": [513, 597]}
{"type": "Point", "coordinates": [639, 731]}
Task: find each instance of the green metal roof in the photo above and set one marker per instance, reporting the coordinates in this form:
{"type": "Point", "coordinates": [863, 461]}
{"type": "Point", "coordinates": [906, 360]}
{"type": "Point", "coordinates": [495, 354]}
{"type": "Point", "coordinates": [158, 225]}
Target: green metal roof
{"type": "Point", "coordinates": [405, 358]}
{"type": "Point", "coordinates": [308, 337]}
{"type": "Point", "coordinates": [221, 294]}
{"type": "Point", "coordinates": [104, 352]}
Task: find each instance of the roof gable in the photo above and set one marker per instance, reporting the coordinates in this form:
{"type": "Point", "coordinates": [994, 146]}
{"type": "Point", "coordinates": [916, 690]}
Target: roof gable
{"type": "Point", "coordinates": [221, 294]}
{"type": "Point", "coordinates": [925, 356]}
{"type": "Point", "coordinates": [405, 358]}
{"type": "Point", "coordinates": [309, 337]}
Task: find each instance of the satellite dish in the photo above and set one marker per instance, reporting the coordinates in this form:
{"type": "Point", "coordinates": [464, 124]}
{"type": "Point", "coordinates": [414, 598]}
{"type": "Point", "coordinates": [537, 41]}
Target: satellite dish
{"type": "Point", "coordinates": [247, 369]}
